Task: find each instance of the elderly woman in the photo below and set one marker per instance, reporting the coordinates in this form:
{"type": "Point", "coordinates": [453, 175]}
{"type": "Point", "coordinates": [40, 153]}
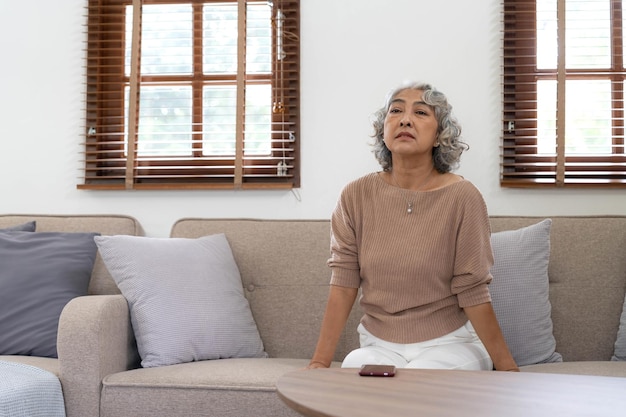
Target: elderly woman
{"type": "Point", "coordinates": [416, 239]}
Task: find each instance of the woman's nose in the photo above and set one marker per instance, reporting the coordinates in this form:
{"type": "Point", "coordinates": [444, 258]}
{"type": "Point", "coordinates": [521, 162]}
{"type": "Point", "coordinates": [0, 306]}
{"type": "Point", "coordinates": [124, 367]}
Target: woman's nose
{"type": "Point", "coordinates": [405, 122]}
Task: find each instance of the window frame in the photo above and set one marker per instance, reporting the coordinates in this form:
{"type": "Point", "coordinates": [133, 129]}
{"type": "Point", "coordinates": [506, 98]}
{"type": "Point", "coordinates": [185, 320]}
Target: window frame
{"type": "Point", "coordinates": [113, 164]}
{"type": "Point", "coordinates": [521, 166]}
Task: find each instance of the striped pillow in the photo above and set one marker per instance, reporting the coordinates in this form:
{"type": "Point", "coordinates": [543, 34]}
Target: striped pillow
{"type": "Point", "coordinates": [185, 297]}
{"type": "Point", "coordinates": [620, 343]}
{"type": "Point", "coordinates": [520, 290]}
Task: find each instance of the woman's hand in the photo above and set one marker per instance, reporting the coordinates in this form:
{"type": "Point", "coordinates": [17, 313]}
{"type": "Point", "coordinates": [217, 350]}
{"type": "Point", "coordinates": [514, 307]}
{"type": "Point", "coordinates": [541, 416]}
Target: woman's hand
{"type": "Point", "coordinates": [483, 318]}
{"type": "Point", "coordinates": [338, 307]}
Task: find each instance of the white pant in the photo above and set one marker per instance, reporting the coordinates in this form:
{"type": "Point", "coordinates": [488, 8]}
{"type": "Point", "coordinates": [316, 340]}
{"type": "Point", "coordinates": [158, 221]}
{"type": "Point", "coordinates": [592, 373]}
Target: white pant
{"type": "Point", "coordinates": [461, 349]}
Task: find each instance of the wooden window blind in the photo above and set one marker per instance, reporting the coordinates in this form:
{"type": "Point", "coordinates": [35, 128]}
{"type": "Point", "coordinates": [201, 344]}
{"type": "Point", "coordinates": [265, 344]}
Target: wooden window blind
{"type": "Point", "coordinates": [563, 94]}
{"type": "Point", "coordinates": [192, 94]}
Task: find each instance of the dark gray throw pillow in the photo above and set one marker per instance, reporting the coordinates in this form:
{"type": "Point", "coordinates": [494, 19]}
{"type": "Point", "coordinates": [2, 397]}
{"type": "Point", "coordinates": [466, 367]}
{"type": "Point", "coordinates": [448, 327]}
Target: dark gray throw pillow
{"type": "Point", "coordinates": [39, 274]}
{"type": "Point", "coordinates": [26, 227]}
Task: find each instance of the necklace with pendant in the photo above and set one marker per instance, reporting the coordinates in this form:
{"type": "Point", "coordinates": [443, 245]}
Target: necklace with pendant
{"type": "Point", "coordinates": [409, 203]}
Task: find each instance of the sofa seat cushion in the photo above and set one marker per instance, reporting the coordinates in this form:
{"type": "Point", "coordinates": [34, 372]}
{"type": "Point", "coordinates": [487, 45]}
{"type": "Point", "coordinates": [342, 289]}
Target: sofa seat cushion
{"type": "Point", "coordinates": [235, 373]}
{"type": "Point", "coordinates": [599, 368]}
{"type": "Point", "coordinates": [224, 386]}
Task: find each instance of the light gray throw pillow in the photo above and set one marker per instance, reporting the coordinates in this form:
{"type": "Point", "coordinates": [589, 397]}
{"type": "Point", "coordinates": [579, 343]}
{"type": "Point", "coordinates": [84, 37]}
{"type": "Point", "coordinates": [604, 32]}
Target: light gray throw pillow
{"type": "Point", "coordinates": [185, 297]}
{"type": "Point", "coordinates": [520, 292]}
{"type": "Point", "coordinates": [620, 343]}
{"type": "Point", "coordinates": [39, 274]}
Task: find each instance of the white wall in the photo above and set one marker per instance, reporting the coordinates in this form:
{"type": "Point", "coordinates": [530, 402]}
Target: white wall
{"type": "Point", "coordinates": [353, 52]}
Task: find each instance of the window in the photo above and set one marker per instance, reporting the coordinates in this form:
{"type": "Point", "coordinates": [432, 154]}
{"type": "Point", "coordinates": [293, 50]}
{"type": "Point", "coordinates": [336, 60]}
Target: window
{"type": "Point", "coordinates": [192, 94]}
{"type": "Point", "coordinates": [563, 94]}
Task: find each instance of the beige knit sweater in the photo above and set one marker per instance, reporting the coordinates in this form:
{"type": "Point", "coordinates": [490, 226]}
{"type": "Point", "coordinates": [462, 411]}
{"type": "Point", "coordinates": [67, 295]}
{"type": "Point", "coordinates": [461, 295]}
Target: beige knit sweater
{"type": "Point", "coordinates": [416, 270]}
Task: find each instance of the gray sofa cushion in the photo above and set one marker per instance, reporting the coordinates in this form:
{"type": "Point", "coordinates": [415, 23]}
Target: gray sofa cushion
{"type": "Point", "coordinates": [185, 297]}
{"type": "Point", "coordinates": [227, 388]}
{"type": "Point", "coordinates": [597, 368]}
{"type": "Point", "coordinates": [520, 293]}
{"type": "Point", "coordinates": [39, 274]}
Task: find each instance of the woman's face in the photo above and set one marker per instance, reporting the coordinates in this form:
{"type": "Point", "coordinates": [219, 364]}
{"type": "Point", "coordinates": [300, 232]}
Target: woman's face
{"type": "Point", "coordinates": [410, 127]}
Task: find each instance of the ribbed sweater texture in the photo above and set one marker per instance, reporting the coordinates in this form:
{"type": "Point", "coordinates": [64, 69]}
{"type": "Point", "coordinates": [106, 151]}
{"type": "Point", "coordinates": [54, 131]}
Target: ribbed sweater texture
{"type": "Point", "coordinates": [417, 271]}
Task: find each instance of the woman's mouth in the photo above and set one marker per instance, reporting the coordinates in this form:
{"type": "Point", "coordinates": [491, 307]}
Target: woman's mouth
{"type": "Point", "coordinates": [405, 135]}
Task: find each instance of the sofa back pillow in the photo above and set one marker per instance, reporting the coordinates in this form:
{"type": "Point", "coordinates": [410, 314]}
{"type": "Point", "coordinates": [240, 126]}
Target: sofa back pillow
{"type": "Point", "coordinates": [39, 274]}
{"type": "Point", "coordinates": [185, 297]}
{"type": "Point", "coordinates": [520, 292]}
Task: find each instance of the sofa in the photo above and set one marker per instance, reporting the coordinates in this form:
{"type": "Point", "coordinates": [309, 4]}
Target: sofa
{"type": "Point", "coordinates": [81, 366]}
{"type": "Point", "coordinates": [284, 278]}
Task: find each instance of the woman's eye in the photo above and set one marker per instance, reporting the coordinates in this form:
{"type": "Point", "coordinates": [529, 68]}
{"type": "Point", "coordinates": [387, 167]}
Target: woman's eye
{"type": "Point", "coordinates": [394, 110]}
{"type": "Point", "coordinates": [421, 113]}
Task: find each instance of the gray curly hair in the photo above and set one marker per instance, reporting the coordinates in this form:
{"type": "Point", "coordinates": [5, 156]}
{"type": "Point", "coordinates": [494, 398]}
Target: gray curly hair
{"type": "Point", "coordinates": [447, 155]}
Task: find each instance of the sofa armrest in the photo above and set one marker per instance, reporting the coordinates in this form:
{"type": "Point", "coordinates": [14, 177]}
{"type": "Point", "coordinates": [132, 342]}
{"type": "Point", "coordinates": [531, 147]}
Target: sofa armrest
{"type": "Point", "coordinates": [95, 339]}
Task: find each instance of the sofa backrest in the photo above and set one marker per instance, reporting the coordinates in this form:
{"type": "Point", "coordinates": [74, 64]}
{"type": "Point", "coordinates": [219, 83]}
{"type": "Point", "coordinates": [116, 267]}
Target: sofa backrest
{"type": "Point", "coordinates": [285, 278]}
{"type": "Point", "coordinates": [101, 281]}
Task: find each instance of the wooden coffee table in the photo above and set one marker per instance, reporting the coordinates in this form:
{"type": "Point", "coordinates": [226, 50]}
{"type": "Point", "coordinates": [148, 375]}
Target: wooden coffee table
{"type": "Point", "coordinates": [339, 392]}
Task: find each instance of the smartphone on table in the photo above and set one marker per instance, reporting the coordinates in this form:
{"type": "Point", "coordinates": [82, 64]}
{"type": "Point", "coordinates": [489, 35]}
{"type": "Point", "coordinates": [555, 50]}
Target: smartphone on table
{"type": "Point", "coordinates": [377, 370]}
